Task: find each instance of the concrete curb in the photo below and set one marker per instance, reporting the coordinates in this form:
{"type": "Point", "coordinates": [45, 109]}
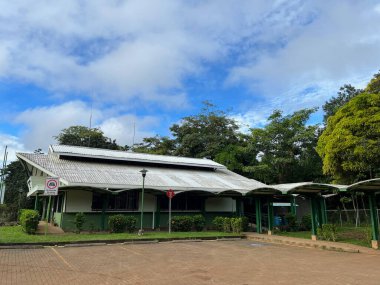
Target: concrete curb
{"type": "Point", "coordinates": [304, 243]}
{"type": "Point", "coordinates": [110, 242]}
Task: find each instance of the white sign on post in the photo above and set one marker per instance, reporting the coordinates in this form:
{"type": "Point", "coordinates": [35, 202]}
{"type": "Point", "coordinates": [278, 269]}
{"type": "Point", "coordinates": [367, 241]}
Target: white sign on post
{"type": "Point", "coordinates": [51, 186]}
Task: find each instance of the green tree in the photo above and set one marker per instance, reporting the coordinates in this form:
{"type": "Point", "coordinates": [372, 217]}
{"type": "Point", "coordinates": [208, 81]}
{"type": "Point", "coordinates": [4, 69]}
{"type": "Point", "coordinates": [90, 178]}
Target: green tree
{"type": "Point", "coordinates": [345, 94]}
{"type": "Point", "coordinates": [373, 86]}
{"type": "Point", "coordinates": [205, 134]}
{"type": "Point", "coordinates": [84, 136]}
{"type": "Point", "coordinates": [285, 149]}
{"type": "Point", "coordinates": [350, 144]}
{"type": "Point", "coordinates": [16, 188]}
{"type": "Point", "coordinates": [156, 145]}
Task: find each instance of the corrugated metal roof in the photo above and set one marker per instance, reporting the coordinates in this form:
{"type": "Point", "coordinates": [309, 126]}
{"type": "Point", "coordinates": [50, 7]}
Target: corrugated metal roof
{"type": "Point", "coordinates": [305, 187]}
{"type": "Point", "coordinates": [79, 151]}
{"type": "Point", "coordinates": [123, 176]}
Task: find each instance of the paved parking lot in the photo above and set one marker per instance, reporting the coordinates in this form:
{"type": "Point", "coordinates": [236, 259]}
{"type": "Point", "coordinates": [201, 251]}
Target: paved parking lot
{"type": "Point", "coordinates": [209, 262]}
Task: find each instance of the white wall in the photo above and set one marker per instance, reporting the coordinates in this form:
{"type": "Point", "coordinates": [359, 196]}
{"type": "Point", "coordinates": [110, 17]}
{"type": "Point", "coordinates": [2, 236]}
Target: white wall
{"type": "Point", "coordinates": [78, 201]}
{"type": "Point", "coordinates": [149, 203]}
{"type": "Point", "coordinates": [220, 204]}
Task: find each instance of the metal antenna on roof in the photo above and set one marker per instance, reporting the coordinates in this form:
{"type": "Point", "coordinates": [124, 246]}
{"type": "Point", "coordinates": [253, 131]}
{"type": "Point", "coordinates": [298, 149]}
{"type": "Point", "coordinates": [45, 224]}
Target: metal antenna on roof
{"type": "Point", "coordinates": [2, 178]}
{"type": "Point", "coordinates": [134, 133]}
{"type": "Point", "coordinates": [89, 137]}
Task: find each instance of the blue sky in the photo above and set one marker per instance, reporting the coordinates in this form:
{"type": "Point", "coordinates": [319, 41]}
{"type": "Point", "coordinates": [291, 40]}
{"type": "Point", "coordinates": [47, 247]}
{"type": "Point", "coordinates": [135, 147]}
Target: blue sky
{"type": "Point", "coordinates": [150, 63]}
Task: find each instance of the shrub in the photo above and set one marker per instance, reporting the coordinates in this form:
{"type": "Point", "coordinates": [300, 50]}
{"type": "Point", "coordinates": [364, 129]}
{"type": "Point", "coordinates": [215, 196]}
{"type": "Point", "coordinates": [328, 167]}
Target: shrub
{"type": "Point", "coordinates": [29, 221]}
{"type": "Point", "coordinates": [218, 223]}
{"type": "Point", "coordinates": [291, 221]}
{"type": "Point", "coordinates": [199, 222]}
{"type": "Point", "coordinates": [131, 222]}
{"type": "Point", "coordinates": [182, 223]}
{"type": "Point", "coordinates": [306, 222]}
{"type": "Point", "coordinates": [117, 223]}
{"type": "Point", "coordinates": [368, 235]}
{"type": "Point", "coordinates": [227, 225]}
{"type": "Point", "coordinates": [245, 224]}
{"type": "Point", "coordinates": [327, 232]}
{"type": "Point", "coordinates": [79, 221]}
{"type": "Point", "coordinates": [236, 225]}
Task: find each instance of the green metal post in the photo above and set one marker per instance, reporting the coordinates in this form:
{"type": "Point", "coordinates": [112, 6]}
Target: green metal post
{"type": "Point", "coordinates": [270, 216]}
{"type": "Point", "coordinates": [324, 210]}
{"type": "Point", "coordinates": [258, 215]}
{"type": "Point", "coordinates": [158, 212]}
{"type": "Point", "coordinates": [374, 218]}
{"type": "Point", "coordinates": [142, 205]}
{"type": "Point", "coordinates": [314, 224]}
{"type": "Point", "coordinates": [104, 207]}
{"type": "Point", "coordinates": [48, 212]}
{"type": "Point", "coordinates": [36, 203]}
{"type": "Point", "coordinates": [293, 205]}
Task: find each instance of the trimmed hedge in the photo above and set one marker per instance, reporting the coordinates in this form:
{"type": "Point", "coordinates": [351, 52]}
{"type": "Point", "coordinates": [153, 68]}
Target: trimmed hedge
{"type": "Point", "coordinates": [119, 223]}
{"type": "Point", "coordinates": [199, 222]}
{"type": "Point", "coordinates": [182, 223]}
{"type": "Point", "coordinates": [29, 220]}
{"type": "Point", "coordinates": [228, 225]}
{"type": "Point", "coordinates": [131, 223]}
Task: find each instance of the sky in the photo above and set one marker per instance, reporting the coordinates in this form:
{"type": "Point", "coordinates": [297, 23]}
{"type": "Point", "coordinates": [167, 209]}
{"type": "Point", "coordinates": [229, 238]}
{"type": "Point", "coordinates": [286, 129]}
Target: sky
{"type": "Point", "coordinates": [150, 63]}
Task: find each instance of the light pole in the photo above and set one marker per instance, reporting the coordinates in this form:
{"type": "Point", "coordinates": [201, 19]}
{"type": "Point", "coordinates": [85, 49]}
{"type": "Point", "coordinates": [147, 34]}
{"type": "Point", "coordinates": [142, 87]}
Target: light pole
{"type": "Point", "coordinates": [143, 173]}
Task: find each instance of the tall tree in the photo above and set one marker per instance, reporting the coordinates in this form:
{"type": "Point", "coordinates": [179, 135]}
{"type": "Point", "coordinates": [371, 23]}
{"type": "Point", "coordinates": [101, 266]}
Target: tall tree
{"type": "Point", "coordinates": [84, 136]}
{"type": "Point", "coordinates": [350, 144]}
{"type": "Point", "coordinates": [345, 94]}
{"type": "Point", "coordinates": [284, 149]}
{"type": "Point", "coordinates": [156, 145]}
{"type": "Point", "coordinates": [16, 188]}
{"type": "Point", "coordinates": [205, 134]}
{"type": "Point", "coordinates": [373, 86]}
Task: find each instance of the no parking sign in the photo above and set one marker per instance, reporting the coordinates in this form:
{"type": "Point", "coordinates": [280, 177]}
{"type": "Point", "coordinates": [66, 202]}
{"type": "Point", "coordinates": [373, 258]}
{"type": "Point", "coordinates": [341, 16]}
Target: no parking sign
{"type": "Point", "coordinates": [51, 186]}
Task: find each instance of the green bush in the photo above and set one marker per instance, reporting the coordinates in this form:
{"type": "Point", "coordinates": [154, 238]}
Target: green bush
{"type": "Point", "coordinates": [236, 225]}
{"type": "Point", "coordinates": [306, 222]}
{"type": "Point", "coordinates": [245, 224]}
{"type": "Point", "coordinates": [227, 225]}
{"type": "Point", "coordinates": [117, 223]}
{"type": "Point", "coordinates": [199, 222]}
{"type": "Point", "coordinates": [327, 232]}
{"type": "Point", "coordinates": [182, 223]}
{"type": "Point", "coordinates": [29, 220]}
{"type": "Point", "coordinates": [79, 221]}
{"type": "Point", "coordinates": [218, 223]}
{"type": "Point", "coordinates": [131, 222]}
{"type": "Point", "coordinates": [291, 221]}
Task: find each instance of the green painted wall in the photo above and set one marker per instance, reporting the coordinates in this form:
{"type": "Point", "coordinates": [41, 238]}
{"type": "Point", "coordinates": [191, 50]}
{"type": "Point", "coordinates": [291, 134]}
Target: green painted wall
{"type": "Point", "coordinates": [94, 219]}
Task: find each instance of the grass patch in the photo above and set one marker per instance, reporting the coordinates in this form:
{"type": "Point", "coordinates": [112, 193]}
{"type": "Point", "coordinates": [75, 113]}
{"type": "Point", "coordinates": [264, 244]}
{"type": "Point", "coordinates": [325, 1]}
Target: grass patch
{"type": "Point", "coordinates": [352, 235]}
{"type": "Point", "coordinates": [16, 235]}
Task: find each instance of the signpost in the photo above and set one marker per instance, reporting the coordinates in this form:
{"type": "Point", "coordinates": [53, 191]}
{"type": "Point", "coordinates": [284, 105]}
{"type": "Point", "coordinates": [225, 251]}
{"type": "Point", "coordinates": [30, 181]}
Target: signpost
{"type": "Point", "coordinates": [51, 189]}
{"type": "Point", "coordinates": [170, 194]}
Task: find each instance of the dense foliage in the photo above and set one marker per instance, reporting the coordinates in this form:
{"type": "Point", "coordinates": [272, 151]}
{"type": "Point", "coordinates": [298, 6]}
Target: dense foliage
{"type": "Point", "coordinates": [349, 146]}
{"type": "Point", "coordinates": [182, 223]}
{"type": "Point", "coordinates": [84, 136]}
{"type": "Point", "coordinates": [15, 197]}
{"type": "Point", "coordinates": [29, 220]}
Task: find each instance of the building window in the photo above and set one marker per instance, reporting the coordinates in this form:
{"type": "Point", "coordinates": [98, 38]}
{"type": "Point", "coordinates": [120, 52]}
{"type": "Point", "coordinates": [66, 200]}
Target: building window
{"type": "Point", "coordinates": [125, 201]}
{"type": "Point", "coordinates": [183, 202]}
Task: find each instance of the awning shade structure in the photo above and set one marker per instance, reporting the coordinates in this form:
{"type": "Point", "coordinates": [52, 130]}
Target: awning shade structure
{"type": "Point", "coordinates": [309, 188]}
{"type": "Point", "coordinates": [372, 185]}
{"type": "Point", "coordinates": [99, 171]}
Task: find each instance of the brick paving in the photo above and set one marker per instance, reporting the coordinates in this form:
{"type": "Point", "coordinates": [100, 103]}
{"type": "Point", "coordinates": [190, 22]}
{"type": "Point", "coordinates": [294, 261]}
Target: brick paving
{"type": "Point", "coordinates": [209, 262]}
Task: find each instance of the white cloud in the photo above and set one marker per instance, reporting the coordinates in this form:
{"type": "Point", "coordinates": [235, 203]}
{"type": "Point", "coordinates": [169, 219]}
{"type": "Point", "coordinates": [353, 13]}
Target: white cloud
{"type": "Point", "coordinates": [14, 145]}
{"type": "Point", "coordinates": [339, 45]}
{"type": "Point", "coordinates": [42, 123]}
{"type": "Point", "coordinates": [123, 50]}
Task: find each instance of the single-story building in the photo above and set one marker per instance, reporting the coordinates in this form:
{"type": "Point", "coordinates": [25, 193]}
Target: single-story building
{"type": "Point", "coordinates": [101, 182]}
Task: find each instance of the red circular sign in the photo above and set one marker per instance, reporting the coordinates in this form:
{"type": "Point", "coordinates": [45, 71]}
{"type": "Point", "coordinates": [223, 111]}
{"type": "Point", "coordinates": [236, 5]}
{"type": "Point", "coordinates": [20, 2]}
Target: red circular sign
{"type": "Point", "coordinates": [170, 193]}
{"type": "Point", "coordinates": [51, 184]}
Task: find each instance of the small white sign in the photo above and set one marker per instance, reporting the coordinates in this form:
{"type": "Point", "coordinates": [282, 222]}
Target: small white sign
{"type": "Point", "coordinates": [51, 186]}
